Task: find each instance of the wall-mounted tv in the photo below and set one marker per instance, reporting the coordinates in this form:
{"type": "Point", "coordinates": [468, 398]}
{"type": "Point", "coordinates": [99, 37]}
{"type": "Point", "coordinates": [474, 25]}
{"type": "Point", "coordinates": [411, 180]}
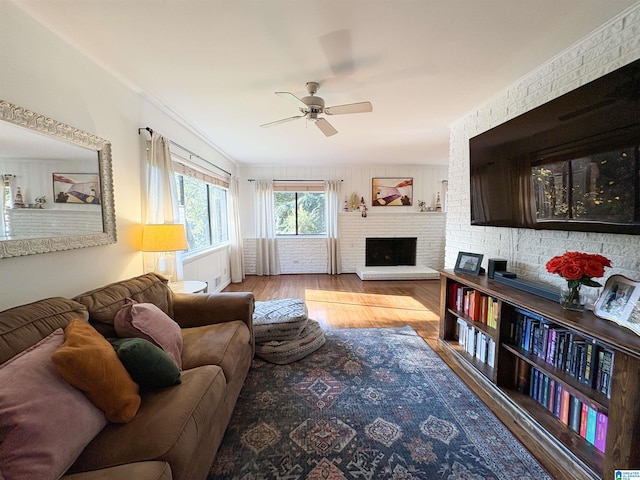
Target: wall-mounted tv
{"type": "Point", "coordinates": [570, 164]}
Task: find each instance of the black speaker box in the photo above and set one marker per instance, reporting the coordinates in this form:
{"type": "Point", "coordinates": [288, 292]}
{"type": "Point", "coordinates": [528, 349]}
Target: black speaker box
{"type": "Point", "coordinates": [496, 265]}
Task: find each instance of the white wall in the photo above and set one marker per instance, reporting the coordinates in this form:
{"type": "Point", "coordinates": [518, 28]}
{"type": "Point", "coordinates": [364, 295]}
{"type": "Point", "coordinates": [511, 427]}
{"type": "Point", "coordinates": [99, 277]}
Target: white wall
{"type": "Point", "coordinates": [44, 74]}
{"type": "Point", "coordinates": [611, 46]}
{"type": "Point", "coordinates": [309, 255]}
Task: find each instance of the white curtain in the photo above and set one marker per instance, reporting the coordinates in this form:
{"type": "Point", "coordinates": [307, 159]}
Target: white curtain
{"type": "Point", "coordinates": [332, 207]}
{"type": "Point", "coordinates": [3, 227]}
{"type": "Point", "coordinates": [161, 204]}
{"type": "Point", "coordinates": [267, 260]}
{"type": "Point", "coordinates": [235, 234]}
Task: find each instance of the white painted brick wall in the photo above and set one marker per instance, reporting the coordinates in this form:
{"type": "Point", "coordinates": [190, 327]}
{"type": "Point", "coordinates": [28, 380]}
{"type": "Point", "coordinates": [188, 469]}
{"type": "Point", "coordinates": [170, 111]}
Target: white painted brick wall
{"type": "Point", "coordinates": [611, 46]}
{"type": "Point", "coordinates": [36, 222]}
{"type": "Point", "coordinates": [309, 255]}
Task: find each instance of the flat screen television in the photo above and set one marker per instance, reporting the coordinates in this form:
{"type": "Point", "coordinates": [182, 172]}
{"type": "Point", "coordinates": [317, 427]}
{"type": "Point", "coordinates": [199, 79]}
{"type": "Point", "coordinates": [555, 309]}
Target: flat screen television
{"type": "Point", "coordinates": [570, 164]}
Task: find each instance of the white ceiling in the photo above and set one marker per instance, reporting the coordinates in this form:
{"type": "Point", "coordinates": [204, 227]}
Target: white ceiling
{"type": "Point", "coordinates": [215, 65]}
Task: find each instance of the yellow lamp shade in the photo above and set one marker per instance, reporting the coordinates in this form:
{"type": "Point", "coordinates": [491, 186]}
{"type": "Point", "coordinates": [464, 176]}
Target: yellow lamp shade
{"type": "Point", "coordinates": [167, 237]}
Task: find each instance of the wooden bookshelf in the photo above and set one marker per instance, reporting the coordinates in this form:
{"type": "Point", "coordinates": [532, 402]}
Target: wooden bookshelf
{"type": "Point", "coordinates": [576, 456]}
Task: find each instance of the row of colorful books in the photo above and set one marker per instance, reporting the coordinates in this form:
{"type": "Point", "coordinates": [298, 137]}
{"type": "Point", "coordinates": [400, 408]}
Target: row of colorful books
{"type": "Point", "coordinates": [579, 356]}
{"type": "Point", "coordinates": [476, 343]}
{"type": "Point", "coordinates": [583, 418]}
{"type": "Point", "coordinates": [476, 305]}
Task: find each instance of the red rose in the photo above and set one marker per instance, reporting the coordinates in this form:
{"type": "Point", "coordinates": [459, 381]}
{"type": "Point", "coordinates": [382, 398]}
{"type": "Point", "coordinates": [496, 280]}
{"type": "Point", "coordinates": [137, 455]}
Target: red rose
{"type": "Point", "coordinates": [603, 260]}
{"type": "Point", "coordinates": [593, 268]}
{"type": "Point", "coordinates": [572, 271]}
{"type": "Point", "coordinates": [555, 264]}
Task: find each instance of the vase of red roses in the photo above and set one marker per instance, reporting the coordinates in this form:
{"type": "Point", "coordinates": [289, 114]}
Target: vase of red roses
{"type": "Point", "coordinates": [578, 269]}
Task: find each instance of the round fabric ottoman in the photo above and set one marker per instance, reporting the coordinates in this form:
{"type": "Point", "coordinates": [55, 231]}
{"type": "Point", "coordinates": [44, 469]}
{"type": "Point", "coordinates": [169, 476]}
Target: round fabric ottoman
{"type": "Point", "coordinates": [310, 339]}
{"type": "Point", "coordinates": [281, 319]}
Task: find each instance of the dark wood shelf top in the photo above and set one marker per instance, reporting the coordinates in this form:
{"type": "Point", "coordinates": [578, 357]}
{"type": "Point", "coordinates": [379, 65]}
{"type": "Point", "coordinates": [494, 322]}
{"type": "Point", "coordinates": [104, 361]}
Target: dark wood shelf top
{"type": "Point", "coordinates": [606, 332]}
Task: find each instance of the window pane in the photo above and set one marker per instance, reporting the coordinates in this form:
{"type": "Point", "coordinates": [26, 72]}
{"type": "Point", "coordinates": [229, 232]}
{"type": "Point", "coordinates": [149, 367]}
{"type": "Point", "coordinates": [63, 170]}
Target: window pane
{"type": "Point", "coordinates": [195, 200]}
{"type": "Point", "coordinates": [285, 212]}
{"type": "Point", "coordinates": [311, 213]}
{"type": "Point", "coordinates": [218, 208]}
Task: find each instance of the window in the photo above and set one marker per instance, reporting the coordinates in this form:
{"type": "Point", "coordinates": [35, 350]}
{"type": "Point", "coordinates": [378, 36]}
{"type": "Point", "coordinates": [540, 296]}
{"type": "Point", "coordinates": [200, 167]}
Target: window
{"type": "Point", "coordinates": [299, 209]}
{"type": "Point", "coordinates": [202, 207]}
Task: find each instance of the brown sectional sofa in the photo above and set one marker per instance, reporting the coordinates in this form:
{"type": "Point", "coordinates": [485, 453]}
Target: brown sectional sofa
{"type": "Point", "coordinates": [177, 430]}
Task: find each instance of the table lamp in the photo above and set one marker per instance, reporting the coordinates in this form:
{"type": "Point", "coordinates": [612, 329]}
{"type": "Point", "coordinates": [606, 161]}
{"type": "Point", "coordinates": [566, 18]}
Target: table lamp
{"type": "Point", "coordinates": [164, 239]}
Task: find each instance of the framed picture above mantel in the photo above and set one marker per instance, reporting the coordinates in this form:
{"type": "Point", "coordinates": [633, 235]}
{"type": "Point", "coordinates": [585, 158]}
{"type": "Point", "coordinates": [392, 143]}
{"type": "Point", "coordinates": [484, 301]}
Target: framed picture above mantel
{"type": "Point", "coordinates": [391, 191]}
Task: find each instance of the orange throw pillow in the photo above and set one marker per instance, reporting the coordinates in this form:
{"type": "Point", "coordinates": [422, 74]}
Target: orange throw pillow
{"type": "Point", "coordinates": [87, 361]}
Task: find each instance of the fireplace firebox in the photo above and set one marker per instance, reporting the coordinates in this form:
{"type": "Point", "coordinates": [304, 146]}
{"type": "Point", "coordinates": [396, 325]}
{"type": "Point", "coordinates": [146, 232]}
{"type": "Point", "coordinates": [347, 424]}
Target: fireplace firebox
{"type": "Point", "coordinates": [388, 252]}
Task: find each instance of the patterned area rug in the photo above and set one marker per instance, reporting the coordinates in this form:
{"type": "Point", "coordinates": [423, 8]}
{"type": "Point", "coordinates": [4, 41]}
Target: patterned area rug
{"type": "Point", "coordinates": [369, 404]}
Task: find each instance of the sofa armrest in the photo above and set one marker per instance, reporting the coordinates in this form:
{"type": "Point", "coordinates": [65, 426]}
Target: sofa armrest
{"type": "Point", "coordinates": [198, 309]}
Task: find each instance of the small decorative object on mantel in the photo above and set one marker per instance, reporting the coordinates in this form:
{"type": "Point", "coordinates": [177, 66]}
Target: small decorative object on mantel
{"type": "Point", "coordinates": [423, 206]}
{"type": "Point", "coordinates": [578, 269]}
{"type": "Point", "coordinates": [363, 208]}
{"type": "Point", "coordinates": [438, 204]}
{"type": "Point", "coordinates": [40, 201]}
{"type": "Point", "coordinates": [346, 205]}
{"type": "Point", "coordinates": [18, 202]}
{"type": "Point", "coordinates": [354, 201]}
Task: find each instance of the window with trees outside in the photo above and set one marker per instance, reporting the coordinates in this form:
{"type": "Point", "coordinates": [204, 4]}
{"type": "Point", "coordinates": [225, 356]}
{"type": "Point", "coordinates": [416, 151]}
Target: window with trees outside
{"type": "Point", "coordinates": [202, 205]}
{"type": "Point", "coordinates": [299, 208]}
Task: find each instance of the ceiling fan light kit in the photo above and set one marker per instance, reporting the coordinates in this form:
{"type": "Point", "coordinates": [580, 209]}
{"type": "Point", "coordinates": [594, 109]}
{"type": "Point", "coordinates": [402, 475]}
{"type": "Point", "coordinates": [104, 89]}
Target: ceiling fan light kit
{"type": "Point", "coordinates": [311, 105]}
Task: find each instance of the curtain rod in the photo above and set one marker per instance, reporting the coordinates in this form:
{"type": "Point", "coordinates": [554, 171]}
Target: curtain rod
{"type": "Point", "coordinates": [150, 130]}
{"type": "Point", "coordinates": [280, 180]}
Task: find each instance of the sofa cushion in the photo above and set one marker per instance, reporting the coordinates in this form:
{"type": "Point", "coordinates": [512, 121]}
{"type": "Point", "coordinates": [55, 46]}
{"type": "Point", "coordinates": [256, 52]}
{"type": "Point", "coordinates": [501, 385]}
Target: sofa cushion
{"type": "Point", "coordinates": [171, 425]}
{"type": "Point", "coordinates": [103, 303]}
{"type": "Point", "coordinates": [145, 320]}
{"type": "Point", "coordinates": [24, 326]}
{"type": "Point", "coordinates": [88, 362]}
{"type": "Point", "coordinates": [149, 366]}
{"type": "Point", "coordinates": [44, 422]}
{"type": "Point", "coordinates": [219, 344]}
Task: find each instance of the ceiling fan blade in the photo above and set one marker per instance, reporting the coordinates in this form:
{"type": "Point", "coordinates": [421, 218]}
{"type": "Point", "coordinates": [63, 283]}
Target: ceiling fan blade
{"type": "Point", "coordinates": [284, 120]}
{"type": "Point", "coordinates": [292, 98]}
{"type": "Point", "coordinates": [326, 127]}
{"type": "Point", "coordinates": [360, 107]}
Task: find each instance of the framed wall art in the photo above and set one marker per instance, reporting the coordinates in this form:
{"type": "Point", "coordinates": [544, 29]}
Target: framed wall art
{"type": "Point", "coordinates": [76, 188]}
{"type": "Point", "coordinates": [390, 192]}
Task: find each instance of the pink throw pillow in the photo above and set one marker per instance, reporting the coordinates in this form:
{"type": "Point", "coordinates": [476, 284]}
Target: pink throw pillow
{"type": "Point", "coordinates": [145, 320]}
{"type": "Point", "coordinates": [45, 423]}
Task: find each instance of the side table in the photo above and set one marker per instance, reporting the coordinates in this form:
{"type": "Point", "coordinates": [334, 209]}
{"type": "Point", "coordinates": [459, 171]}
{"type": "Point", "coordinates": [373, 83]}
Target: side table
{"type": "Point", "coordinates": [189, 286]}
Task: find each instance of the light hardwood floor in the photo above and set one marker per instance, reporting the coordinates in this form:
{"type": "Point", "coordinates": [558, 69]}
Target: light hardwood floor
{"type": "Point", "coordinates": [345, 301]}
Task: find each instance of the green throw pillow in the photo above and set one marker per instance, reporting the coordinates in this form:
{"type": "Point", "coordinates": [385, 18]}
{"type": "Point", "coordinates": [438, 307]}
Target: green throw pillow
{"type": "Point", "coordinates": [149, 366]}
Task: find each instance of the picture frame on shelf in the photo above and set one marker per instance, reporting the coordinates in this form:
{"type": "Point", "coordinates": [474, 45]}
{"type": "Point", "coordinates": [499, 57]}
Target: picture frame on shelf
{"type": "Point", "coordinates": [468, 262]}
{"type": "Point", "coordinates": [391, 192]}
{"type": "Point", "coordinates": [619, 302]}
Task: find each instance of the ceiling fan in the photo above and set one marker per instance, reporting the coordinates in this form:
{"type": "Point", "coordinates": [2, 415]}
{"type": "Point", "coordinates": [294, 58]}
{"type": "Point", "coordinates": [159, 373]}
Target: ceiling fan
{"type": "Point", "coordinates": [311, 106]}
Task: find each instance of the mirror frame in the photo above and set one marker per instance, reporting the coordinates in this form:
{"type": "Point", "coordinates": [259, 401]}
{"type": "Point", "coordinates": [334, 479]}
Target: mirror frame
{"type": "Point", "coordinates": [44, 125]}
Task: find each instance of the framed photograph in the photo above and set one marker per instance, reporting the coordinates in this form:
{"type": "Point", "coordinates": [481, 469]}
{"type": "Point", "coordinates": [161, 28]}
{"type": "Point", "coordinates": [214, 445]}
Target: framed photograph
{"type": "Point", "coordinates": [469, 263]}
{"type": "Point", "coordinates": [390, 192]}
{"type": "Point", "coordinates": [619, 302]}
{"type": "Point", "coordinates": [76, 188]}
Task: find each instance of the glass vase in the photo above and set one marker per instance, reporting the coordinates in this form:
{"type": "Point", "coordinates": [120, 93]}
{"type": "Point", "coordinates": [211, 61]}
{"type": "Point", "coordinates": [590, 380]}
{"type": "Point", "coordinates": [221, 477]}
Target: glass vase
{"type": "Point", "coordinates": [571, 298]}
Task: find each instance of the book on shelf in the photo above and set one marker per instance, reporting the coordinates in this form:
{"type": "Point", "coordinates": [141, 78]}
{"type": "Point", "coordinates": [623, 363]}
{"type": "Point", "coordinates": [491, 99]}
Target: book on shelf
{"type": "Point", "coordinates": [564, 406]}
{"type": "Point", "coordinates": [524, 379]}
{"type": "Point", "coordinates": [591, 424]}
{"type": "Point", "coordinates": [557, 399]}
{"type": "Point", "coordinates": [588, 374]}
{"type": "Point", "coordinates": [605, 371]}
{"type": "Point", "coordinates": [575, 412]}
{"type": "Point", "coordinates": [584, 414]}
{"type": "Point", "coordinates": [601, 431]}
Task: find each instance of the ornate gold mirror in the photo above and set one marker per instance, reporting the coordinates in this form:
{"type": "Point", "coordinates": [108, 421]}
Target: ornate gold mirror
{"type": "Point", "coordinates": [56, 186]}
